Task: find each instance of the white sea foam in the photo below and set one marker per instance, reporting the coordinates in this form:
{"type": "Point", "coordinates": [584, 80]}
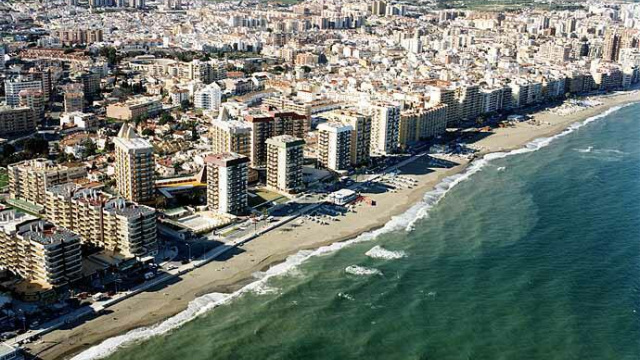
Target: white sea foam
{"type": "Point", "coordinates": [406, 221]}
{"type": "Point", "coordinates": [346, 296]}
{"type": "Point", "coordinates": [587, 150]}
{"type": "Point", "coordinates": [264, 289]}
{"type": "Point", "coordinates": [378, 252]}
{"type": "Point", "coordinates": [362, 271]}
{"type": "Point", "coordinates": [603, 154]}
{"type": "Point", "coordinates": [501, 168]}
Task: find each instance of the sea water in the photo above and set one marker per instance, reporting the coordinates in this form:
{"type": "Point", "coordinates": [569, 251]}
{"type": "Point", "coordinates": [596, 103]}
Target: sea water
{"type": "Point", "coordinates": [538, 257]}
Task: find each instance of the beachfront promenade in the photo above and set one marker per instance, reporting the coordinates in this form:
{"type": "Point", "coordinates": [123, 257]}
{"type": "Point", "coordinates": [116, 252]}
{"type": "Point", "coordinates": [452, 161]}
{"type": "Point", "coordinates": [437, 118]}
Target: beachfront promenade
{"type": "Point", "coordinates": [99, 306]}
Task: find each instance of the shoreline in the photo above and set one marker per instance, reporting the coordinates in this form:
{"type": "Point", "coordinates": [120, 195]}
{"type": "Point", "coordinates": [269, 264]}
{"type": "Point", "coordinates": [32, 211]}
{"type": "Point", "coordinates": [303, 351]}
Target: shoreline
{"type": "Point", "coordinates": [237, 269]}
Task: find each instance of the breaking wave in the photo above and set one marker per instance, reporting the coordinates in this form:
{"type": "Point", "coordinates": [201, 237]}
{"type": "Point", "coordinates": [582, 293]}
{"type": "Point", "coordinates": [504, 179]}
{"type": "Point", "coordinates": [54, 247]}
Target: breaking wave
{"type": "Point", "coordinates": [404, 221]}
{"type": "Point", "coordinates": [378, 252]}
{"type": "Point", "coordinates": [362, 271]}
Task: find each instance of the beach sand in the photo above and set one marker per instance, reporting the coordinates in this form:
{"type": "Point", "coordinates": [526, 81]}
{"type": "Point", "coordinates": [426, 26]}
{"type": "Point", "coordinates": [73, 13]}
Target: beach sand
{"type": "Point", "coordinates": [237, 270]}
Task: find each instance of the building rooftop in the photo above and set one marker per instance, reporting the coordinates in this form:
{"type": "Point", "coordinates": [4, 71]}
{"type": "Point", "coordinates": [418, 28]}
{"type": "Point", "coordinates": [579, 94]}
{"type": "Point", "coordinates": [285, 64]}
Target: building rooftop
{"type": "Point", "coordinates": [45, 233]}
{"type": "Point", "coordinates": [233, 126]}
{"type": "Point", "coordinates": [130, 140]}
{"type": "Point", "coordinates": [120, 206]}
{"type": "Point", "coordinates": [11, 218]}
{"type": "Point", "coordinates": [285, 141]}
{"type": "Point", "coordinates": [64, 190]}
{"type": "Point", "coordinates": [92, 197]}
{"type": "Point", "coordinates": [334, 127]}
{"type": "Point", "coordinates": [226, 159]}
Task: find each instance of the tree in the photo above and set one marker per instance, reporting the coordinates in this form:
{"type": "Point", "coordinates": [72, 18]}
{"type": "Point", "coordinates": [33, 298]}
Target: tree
{"type": "Point", "coordinates": [8, 150]}
{"type": "Point", "coordinates": [36, 146]}
{"type": "Point", "coordinates": [64, 157]}
{"type": "Point", "coordinates": [147, 132]}
{"type": "Point", "coordinates": [110, 53]}
{"type": "Point", "coordinates": [165, 118]}
{"type": "Point", "coordinates": [90, 148]}
{"type": "Point", "coordinates": [278, 69]}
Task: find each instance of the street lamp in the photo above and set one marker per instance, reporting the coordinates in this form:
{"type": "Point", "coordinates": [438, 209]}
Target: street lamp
{"type": "Point", "coordinates": [189, 246]}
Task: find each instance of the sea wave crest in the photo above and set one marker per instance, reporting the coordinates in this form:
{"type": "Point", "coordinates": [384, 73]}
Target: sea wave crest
{"type": "Point", "coordinates": [378, 252]}
{"type": "Point", "coordinates": [362, 271]}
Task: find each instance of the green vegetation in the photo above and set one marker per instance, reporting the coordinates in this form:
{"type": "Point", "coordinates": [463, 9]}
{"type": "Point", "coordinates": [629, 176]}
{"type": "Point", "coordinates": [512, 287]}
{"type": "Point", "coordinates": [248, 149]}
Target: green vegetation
{"type": "Point", "coordinates": [32, 147]}
{"type": "Point", "coordinates": [90, 148]}
{"type": "Point", "coordinates": [110, 53]}
{"type": "Point", "coordinates": [264, 196]}
{"type": "Point", "coordinates": [4, 179]}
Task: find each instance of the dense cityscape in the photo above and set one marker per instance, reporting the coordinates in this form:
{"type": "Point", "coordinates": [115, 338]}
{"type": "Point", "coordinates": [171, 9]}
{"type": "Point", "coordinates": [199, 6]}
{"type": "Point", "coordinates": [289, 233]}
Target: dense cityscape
{"type": "Point", "coordinates": [143, 140]}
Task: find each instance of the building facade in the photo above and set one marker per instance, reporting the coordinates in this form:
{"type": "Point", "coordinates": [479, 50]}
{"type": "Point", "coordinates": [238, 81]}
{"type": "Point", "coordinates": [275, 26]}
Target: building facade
{"type": "Point", "coordinates": [334, 146]}
{"type": "Point", "coordinates": [134, 109]}
{"type": "Point", "coordinates": [38, 250]}
{"type": "Point", "coordinates": [16, 120]}
{"type": "Point", "coordinates": [284, 163]}
{"type": "Point", "coordinates": [208, 98]}
{"type": "Point", "coordinates": [385, 123]}
{"type": "Point", "coordinates": [103, 221]}
{"type": "Point", "coordinates": [29, 179]}
{"type": "Point", "coordinates": [134, 166]}
{"type": "Point", "coordinates": [230, 136]}
{"type": "Point", "coordinates": [227, 176]}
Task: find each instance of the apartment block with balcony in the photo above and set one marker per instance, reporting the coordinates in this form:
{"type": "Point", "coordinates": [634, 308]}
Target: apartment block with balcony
{"type": "Point", "coordinates": [360, 136]}
{"type": "Point", "coordinates": [227, 176]}
{"type": "Point", "coordinates": [422, 123]}
{"type": "Point", "coordinates": [29, 179]}
{"type": "Point", "coordinates": [334, 146]}
{"type": "Point", "coordinates": [385, 122]}
{"type": "Point", "coordinates": [10, 220]}
{"type": "Point", "coordinates": [134, 166]}
{"type": "Point", "coordinates": [231, 136]}
{"type": "Point", "coordinates": [101, 220]}
{"type": "Point", "coordinates": [267, 125]}
{"type": "Point", "coordinates": [17, 120]}
{"type": "Point", "coordinates": [48, 254]}
{"type": "Point", "coordinates": [134, 109]}
{"type": "Point", "coordinates": [38, 250]}
{"type": "Point", "coordinates": [285, 156]}
{"type": "Point", "coordinates": [129, 229]}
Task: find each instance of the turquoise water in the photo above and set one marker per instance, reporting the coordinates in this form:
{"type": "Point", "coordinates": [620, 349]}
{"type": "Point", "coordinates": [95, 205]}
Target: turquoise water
{"type": "Point", "coordinates": [536, 256]}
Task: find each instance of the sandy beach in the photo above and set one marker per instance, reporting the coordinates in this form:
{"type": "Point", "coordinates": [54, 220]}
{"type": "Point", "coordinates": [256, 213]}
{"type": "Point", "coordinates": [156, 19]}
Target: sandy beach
{"type": "Point", "coordinates": [237, 270]}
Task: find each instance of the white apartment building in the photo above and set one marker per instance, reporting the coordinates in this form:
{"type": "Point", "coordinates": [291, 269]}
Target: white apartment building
{"type": "Point", "coordinates": [334, 146]}
{"type": "Point", "coordinates": [134, 165]}
{"type": "Point", "coordinates": [285, 155]}
{"type": "Point", "coordinates": [385, 126]}
{"type": "Point", "coordinates": [13, 87]}
{"type": "Point", "coordinates": [227, 177]}
{"type": "Point", "coordinates": [208, 98]}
